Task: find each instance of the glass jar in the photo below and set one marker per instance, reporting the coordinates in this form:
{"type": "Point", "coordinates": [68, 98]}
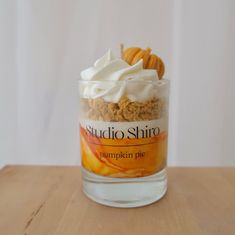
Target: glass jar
{"type": "Point", "coordinates": [123, 136]}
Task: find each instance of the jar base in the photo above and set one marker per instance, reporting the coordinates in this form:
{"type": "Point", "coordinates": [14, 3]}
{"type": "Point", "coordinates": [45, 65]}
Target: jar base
{"type": "Point", "coordinates": [124, 193]}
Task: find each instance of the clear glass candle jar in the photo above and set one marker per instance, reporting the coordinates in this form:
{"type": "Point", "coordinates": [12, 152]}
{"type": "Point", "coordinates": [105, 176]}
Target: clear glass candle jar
{"type": "Point", "coordinates": [123, 136]}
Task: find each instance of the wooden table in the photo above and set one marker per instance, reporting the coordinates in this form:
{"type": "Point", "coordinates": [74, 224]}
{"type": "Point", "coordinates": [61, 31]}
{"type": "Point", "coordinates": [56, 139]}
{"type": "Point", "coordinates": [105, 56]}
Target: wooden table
{"type": "Point", "coordinates": [49, 201]}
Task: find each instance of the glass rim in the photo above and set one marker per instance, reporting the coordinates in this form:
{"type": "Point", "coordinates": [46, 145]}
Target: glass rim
{"type": "Point", "coordinates": [156, 82]}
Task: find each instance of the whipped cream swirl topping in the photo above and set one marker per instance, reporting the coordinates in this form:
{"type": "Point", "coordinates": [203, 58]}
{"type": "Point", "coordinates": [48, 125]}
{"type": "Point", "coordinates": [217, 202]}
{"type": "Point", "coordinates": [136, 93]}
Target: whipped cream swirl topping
{"type": "Point", "coordinates": [115, 78]}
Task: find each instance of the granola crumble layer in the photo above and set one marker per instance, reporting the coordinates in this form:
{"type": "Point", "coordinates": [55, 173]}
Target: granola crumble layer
{"type": "Point", "coordinates": [123, 111]}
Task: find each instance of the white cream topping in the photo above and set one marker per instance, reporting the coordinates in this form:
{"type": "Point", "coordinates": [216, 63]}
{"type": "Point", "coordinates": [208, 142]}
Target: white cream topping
{"type": "Point", "coordinates": [106, 69]}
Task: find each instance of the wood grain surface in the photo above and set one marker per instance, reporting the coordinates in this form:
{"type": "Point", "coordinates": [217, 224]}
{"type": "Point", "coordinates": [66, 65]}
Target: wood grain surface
{"type": "Point", "coordinates": [49, 201]}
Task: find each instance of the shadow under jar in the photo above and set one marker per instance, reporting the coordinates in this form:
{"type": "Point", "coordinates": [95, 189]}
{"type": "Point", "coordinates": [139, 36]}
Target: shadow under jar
{"type": "Point", "coordinates": [123, 135]}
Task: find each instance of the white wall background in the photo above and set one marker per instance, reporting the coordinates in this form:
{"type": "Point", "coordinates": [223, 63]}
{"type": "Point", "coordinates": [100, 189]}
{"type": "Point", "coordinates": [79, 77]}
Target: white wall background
{"type": "Point", "coordinates": [45, 44]}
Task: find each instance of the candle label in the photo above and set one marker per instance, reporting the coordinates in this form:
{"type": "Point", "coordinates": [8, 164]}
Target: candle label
{"type": "Point", "coordinates": [123, 149]}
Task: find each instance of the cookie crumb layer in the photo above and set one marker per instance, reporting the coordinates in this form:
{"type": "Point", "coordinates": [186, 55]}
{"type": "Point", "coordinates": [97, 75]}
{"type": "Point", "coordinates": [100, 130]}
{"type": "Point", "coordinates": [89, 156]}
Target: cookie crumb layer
{"type": "Point", "coordinates": [123, 111]}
